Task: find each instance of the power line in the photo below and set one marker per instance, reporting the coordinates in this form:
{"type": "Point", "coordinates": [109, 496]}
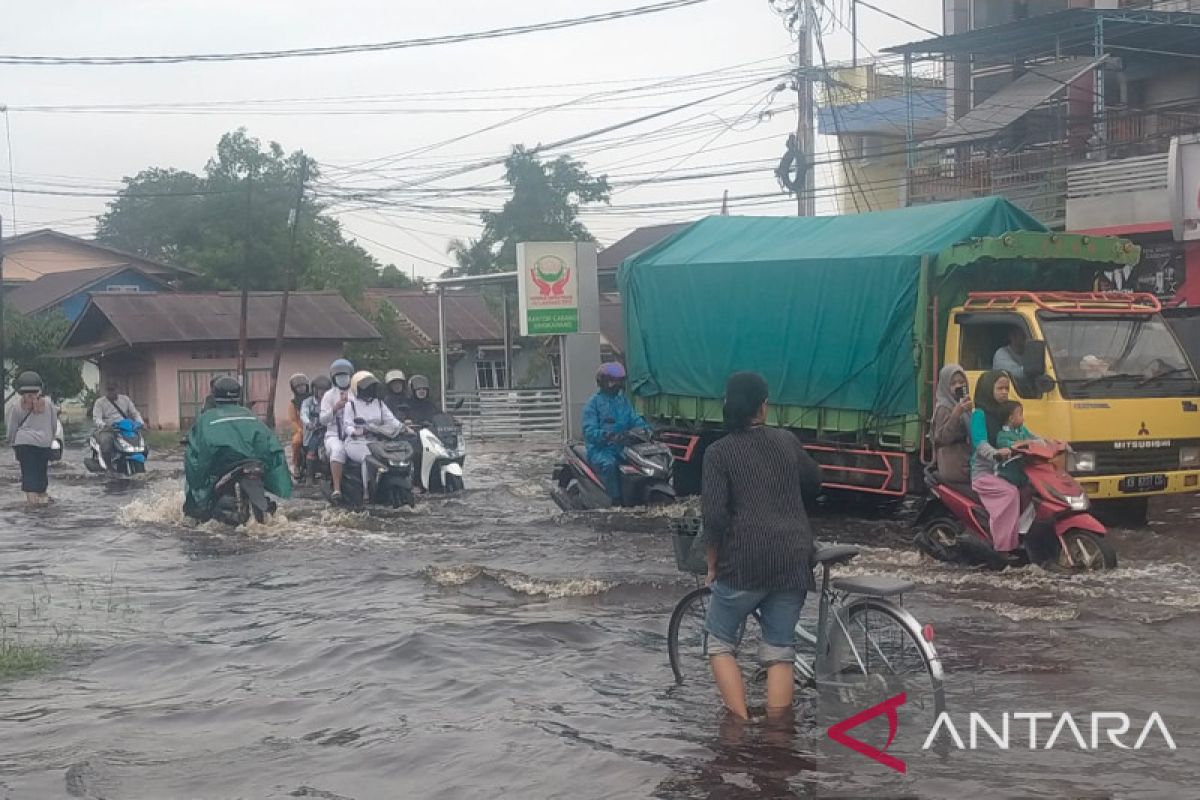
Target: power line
{"type": "Point", "coordinates": [304, 52]}
{"type": "Point", "coordinates": [898, 18]}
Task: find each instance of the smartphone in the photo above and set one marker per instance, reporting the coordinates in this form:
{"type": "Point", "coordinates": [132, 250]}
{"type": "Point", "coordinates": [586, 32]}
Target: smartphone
{"type": "Point", "coordinates": [962, 393]}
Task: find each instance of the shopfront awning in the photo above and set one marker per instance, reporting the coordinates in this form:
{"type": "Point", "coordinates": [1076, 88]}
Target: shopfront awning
{"type": "Point", "coordinates": [989, 118]}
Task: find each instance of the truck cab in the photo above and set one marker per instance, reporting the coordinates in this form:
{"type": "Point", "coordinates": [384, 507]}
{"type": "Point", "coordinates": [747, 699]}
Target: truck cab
{"type": "Point", "coordinates": [1101, 371]}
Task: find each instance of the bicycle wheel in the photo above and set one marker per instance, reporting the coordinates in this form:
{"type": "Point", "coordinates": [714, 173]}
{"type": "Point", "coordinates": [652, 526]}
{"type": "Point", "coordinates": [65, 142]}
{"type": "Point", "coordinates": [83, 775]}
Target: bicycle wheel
{"type": "Point", "coordinates": [687, 642]}
{"type": "Point", "coordinates": [876, 651]}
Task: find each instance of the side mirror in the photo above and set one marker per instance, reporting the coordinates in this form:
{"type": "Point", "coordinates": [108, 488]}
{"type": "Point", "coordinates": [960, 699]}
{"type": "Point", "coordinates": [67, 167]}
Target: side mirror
{"type": "Point", "coordinates": [459, 403]}
{"type": "Point", "coordinates": [1034, 360]}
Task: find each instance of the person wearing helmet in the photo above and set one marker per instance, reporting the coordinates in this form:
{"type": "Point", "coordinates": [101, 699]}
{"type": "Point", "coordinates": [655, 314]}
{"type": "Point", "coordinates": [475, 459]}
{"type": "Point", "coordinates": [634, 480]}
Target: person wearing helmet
{"type": "Point", "coordinates": [607, 416]}
{"type": "Point", "coordinates": [332, 403]}
{"type": "Point", "coordinates": [30, 427]}
{"type": "Point", "coordinates": [210, 402]}
{"type": "Point", "coordinates": [365, 409]}
{"type": "Point", "coordinates": [109, 409]}
{"type": "Point", "coordinates": [300, 392]}
{"type": "Point", "coordinates": [396, 396]}
{"type": "Point", "coordinates": [223, 436]}
{"type": "Point", "coordinates": [310, 416]}
{"type": "Point", "coordinates": [422, 408]}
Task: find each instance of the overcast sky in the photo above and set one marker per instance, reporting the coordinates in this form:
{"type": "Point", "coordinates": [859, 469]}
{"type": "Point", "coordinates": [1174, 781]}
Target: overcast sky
{"type": "Point", "coordinates": [416, 98]}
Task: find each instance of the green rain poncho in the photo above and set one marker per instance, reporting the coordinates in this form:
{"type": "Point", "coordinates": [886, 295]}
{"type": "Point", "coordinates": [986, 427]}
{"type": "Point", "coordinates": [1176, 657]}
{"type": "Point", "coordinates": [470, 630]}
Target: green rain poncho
{"type": "Point", "coordinates": [221, 438]}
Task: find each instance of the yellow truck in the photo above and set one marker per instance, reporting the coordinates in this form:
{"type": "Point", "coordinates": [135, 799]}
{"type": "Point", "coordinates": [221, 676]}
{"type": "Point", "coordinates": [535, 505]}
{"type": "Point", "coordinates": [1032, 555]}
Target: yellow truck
{"type": "Point", "coordinates": [850, 318]}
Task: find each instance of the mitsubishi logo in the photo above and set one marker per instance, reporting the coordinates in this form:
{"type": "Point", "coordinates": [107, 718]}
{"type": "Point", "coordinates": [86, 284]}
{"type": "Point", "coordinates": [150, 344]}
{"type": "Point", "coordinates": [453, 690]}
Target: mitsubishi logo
{"type": "Point", "coordinates": [1143, 431]}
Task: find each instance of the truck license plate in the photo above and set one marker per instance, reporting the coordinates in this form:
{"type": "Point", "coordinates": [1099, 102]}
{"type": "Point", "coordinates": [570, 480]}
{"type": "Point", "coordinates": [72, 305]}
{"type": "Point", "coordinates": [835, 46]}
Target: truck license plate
{"type": "Point", "coordinates": [1143, 483]}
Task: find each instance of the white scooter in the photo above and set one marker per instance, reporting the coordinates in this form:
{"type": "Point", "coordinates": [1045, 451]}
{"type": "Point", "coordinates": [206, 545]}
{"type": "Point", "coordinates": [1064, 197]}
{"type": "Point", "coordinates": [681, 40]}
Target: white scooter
{"type": "Point", "coordinates": [443, 452]}
{"type": "Point", "coordinates": [56, 447]}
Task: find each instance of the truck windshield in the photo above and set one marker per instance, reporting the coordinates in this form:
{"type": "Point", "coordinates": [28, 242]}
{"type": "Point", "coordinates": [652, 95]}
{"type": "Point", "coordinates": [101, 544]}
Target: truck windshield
{"type": "Point", "coordinates": [1118, 357]}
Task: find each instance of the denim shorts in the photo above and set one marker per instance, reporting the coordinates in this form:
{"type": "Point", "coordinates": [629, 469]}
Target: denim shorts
{"type": "Point", "coordinates": [779, 610]}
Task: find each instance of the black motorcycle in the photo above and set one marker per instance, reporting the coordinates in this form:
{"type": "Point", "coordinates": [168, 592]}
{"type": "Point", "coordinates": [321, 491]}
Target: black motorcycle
{"type": "Point", "coordinates": [389, 470]}
{"type": "Point", "coordinates": [240, 495]}
{"type": "Point", "coordinates": [645, 471]}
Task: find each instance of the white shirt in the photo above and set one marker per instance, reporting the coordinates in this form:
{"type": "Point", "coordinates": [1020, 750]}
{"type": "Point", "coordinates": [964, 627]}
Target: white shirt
{"type": "Point", "coordinates": [328, 415]}
{"type": "Point", "coordinates": [374, 412]}
{"type": "Point", "coordinates": [105, 412]}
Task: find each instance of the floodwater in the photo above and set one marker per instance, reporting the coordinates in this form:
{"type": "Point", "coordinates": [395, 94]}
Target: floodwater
{"type": "Point", "coordinates": [488, 646]}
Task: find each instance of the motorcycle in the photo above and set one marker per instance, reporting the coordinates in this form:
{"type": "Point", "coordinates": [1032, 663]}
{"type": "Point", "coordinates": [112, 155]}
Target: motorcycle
{"type": "Point", "coordinates": [645, 472]}
{"type": "Point", "coordinates": [129, 450]}
{"type": "Point", "coordinates": [953, 524]}
{"type": "Point", "coordinates": [389, 470]}
{"type": "Point", "coordinates": [240, 495]}
{"type": "Point", "coordinates": [56, 447]}
{"type": "Point", "coordinates": [443, 452]}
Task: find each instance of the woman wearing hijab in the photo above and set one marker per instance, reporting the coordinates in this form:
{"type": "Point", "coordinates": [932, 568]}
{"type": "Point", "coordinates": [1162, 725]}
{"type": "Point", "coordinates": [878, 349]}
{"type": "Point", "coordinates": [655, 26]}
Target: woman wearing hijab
{"type": "Point", "coordinates": [756, 480]}
{"type": "Point", "coordinates": [30, 427]}
{"type": "Point", "coordinates": [951, 426]}
{"type": "Point", "coordinates": [1001, 499]}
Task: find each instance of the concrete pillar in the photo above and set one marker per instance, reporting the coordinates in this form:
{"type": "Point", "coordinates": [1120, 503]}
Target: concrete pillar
{"type": "Point", "coordinates": [581, 351]}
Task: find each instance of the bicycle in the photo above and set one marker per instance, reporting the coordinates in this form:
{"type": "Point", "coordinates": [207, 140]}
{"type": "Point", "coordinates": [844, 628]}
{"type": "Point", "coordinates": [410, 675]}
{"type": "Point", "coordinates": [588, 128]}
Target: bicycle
{"type": "Point", "coordinates": [862, 642]}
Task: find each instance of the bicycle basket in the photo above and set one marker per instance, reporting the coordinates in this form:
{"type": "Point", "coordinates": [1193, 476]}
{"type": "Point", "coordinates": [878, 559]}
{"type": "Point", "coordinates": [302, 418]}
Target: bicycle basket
{"type": "Point", "coordinates": [688, 538]}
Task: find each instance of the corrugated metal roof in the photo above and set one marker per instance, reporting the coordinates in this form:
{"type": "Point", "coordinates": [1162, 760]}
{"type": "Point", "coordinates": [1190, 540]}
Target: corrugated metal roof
{"type": "Point", "coordinates": [468, 318]}
{"type": "Point", "coordinates": [1011, 102]}
{"type": "Point", "coordinates": [55, 287]}
{"type": "Point", "coordinates": [145, 318]}
{"type": "Point", "coordinates": [635, 242]}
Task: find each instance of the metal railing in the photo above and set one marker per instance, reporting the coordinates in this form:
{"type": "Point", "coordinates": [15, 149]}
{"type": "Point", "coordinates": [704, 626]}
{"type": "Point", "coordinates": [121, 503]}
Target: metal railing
{"type": "Point", "coordinates": [1096, 179]}
{"type": "Point", "coordinates": [509, 412]}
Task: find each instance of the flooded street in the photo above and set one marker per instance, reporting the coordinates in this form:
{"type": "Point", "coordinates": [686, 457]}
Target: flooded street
{"type": "Point", "coordinates": [487, 646]}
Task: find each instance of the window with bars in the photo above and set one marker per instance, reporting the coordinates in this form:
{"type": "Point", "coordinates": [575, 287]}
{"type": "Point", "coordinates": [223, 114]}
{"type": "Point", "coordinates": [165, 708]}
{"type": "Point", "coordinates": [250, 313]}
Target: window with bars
{"type": "Point", "coordinates": [490, 375]}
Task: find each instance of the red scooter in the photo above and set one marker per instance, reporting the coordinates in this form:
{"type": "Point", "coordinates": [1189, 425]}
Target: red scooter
{"type": "Point", "coordinates": [1056, 526]}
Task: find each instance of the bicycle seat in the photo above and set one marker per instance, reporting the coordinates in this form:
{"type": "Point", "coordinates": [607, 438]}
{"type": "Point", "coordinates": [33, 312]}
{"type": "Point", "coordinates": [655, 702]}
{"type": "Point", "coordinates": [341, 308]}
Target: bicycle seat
{"type": "Point", "coordinates": [873, 585]}
{"type": "Point", "coordinates": [834, 554]}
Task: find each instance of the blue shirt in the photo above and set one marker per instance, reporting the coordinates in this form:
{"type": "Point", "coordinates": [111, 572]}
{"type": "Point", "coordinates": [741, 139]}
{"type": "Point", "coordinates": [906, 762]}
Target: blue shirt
{"type": "Point", "coordinates": [605, 414]}
{"type": "Point", "coordinates": [1008, 361]}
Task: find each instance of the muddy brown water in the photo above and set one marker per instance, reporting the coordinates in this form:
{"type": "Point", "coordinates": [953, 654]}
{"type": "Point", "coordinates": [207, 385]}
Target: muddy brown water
{"type": "Point", "coordinates": [488, 646]}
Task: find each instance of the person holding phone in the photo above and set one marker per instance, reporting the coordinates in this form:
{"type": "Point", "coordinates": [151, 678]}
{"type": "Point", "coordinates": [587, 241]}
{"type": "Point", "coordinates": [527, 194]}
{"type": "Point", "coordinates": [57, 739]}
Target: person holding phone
{"type": "Point", "coordinates": [950, 429]}
{"type": "Point", "coordinates": [340, 372]}
{"type": "Point", "coordinates": [30, 427]}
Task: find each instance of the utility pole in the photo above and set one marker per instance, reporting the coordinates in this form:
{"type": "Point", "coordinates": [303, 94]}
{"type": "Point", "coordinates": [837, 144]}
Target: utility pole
{"type": "Point", "coordinates": [288, 287]}
{"type": "Point", "coordinates": [805, 201]}
{"type": "Point", "coordinates": [854, 33]}
{"type": "Point", "coordinates": [241, 363]}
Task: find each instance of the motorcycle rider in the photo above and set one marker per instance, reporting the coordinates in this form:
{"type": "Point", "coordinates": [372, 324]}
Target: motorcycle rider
{"type": "Point", "coordinates": [606, 417]}
{"type": "Point", "coordinates": [300, 392]}
{"type": "Point", "coordinates": [340, 372]}
{"type": "Point", "coordinates": [223, 437]}
{"type": "Point", "coordinates": [365, 406]}
{"type": "Point", "coordinates": [396, 397]}
{"type": "Point", "coordinates": [310, 417]}
{"type": "Point", "coordinates": [111, 408]}
{"type": "Point", "coordinates": [421, 409]}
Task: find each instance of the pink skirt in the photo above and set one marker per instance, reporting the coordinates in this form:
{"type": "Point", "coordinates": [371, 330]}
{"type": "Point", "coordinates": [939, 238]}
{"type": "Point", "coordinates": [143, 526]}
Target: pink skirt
{"type": "Point", "coordinates": [1003, 503]}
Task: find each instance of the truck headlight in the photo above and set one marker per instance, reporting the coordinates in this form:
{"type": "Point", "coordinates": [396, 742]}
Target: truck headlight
{"type": "Point", "coordinates": [1189, 457]}
{"type": "Point", "coordinates": [1081, 461]}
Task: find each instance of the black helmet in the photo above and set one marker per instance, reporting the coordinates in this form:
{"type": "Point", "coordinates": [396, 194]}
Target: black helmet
{"type": "Point", "coordinates": [28, 381]}
{"type": "Point", "coordinates": [417, 383]}
{"type": "Point", "coordinates": [367, 387]}
{"type": "Point", "coordinates": [226, 390]}
{"type": "Point", "coordinates": [320, 385]}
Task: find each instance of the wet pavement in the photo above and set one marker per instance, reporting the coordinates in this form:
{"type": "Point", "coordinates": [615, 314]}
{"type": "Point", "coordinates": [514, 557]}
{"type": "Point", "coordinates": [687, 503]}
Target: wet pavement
{"type": "Point", "coordinates": [489, 646]}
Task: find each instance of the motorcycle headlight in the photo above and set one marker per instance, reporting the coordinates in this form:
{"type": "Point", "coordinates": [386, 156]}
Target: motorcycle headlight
{"type": "Point", "coordinates": [1079, 502]}
{"type": "Point", "coordinates": [1189, 457]}
{"type": "Point", "coordinates": [1081, 461]}
{"type": "Point", "coordinates": [125, 445]}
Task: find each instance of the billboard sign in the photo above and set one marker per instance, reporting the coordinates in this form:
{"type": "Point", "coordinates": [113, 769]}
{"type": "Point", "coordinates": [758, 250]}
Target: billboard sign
{"type": "Point", "coordinates": [548, 288]}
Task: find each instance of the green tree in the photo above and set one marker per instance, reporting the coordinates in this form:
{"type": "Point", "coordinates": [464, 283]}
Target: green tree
{"type": "Point", "coordinates": [28, 340]}
{"type": "Point", "coordinates": [236, 216]}
{"type": "Point", "coordinates": [544, 207]}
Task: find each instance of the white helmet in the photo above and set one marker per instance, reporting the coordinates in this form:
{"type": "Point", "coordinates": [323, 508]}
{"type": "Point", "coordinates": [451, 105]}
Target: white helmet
{"type": "Point", "coordinates": [395, 375]}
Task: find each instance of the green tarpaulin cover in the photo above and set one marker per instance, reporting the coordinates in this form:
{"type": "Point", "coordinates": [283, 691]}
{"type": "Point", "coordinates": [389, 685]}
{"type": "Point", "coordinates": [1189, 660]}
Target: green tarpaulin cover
{"type": "Point", "coordinates": [823, 307]}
